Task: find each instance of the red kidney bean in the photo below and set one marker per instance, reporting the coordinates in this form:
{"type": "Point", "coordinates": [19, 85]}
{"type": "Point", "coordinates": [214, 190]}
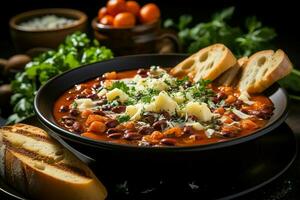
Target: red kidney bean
{"type": "Point", "coordinates": [113, 130]}
{"type": "Point", "coordinates": [196, 137]}
{"type": "Point", "coordinates": [187, 84]}
{"type": "Point", "coordinates": [166, 115]}
{"type": "Point", "coordinates": [100, 78]}
{"type": "Point", "coordinates": [145, 130]}
{"type": "Point", "coordinates": [142, 72]}
{"type": "Point", "coordinates": [132, 135]}
{"type": "Point", "coordinates": [114, 135]}
{"type": "Point", "coordinates": [93, 96]}
{"type": "Point", "coordinates": [228, 134]}
{"type": "Point", "coordinates": [68, 117]}
{"type": "Point", "coordinates": [112, 123]}
{"type": "Point", "coordinates": [106, 107]}
{"type": "Point", "coordinates": [234, 117]}
{"type": "Point", "coordinates": [193, 117]}
{"type": "Point", "coordinates": [68, 120]}
{"type": "Point", "coordinates": [96, 85]}
{"type": "Point", "coordinates": [168, 141]}
{"type": "Point", "coordinates": [188, 130]}
{"type": "Point", "coordinates": [220, 96]}
{"type": "Point", "coordinates": [238, 103]}
{"type": "Point", "coordinates": [102, 102]}
{"type": "Point", "coordinates": [148, 118]}
{"type": "Point", "coordinates": [160, 125]}
{"type": "Point", "coordinates": [118, 109]}
{"type": "Point", "coordinates": [64, 108]}
{"type": "Point", "coordinates": [80, 96]}
{"type": "Point", "coordinates": [77, 127]}
{"type": "Point", "coordinates": [74, 112]}
{"type": "Point", "coordinates": [99, 112]}
{"type": "Point", "coordinates": [264, 113]}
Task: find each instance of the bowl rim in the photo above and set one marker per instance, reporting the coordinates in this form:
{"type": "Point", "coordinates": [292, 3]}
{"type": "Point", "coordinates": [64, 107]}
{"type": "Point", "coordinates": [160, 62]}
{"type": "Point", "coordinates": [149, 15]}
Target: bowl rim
{"type": "Point", "coordinates": [80, 16]}
{"type": "Point", "coordinates": [139, 27]}
{"type": "Point", "coordinates": [111, 145]}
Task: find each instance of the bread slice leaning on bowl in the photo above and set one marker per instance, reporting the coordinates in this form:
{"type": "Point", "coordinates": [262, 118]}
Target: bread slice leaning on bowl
{"type": "Point", "coordinates": [263, 69]}
{"type": "Point", "coordinates": [208, 63]}
{"type": "Point", "coordinates": [231, 76]}
{"type": "Point", "coordinates": [40, 167]}
{"type": "Point", "coordinates": [250, 75]}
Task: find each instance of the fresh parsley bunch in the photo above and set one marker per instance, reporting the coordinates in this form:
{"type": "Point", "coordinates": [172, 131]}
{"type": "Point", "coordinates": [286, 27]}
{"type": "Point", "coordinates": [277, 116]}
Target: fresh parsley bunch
{"type": "Point", "coordinates": [76, 50]}
{"type": "Point", "coordinates": [218, 30]}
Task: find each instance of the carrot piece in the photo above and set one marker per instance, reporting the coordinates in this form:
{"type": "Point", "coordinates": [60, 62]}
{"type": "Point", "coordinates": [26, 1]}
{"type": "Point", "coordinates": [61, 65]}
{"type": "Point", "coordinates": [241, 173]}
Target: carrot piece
{"type": "Point", "coordinates": [156, 135]}
{"type": "Point", "coordinates": [86, 113]}
{"type": "Point", "coordinates": [110, 75]}
{"type": "Point", "coordinates": [97, 127]}
{"type": "Point", "coordinates": [91, 118]}
{"type": "Point", "coordinates": [230, 99]}
{"type": "Point", "coordinates": [220, 110]}
{"type": "Point", "coordinates": [248, 124]}
{"type": "Point", "coordinates": [227, 119]}
{"type": "Point", "coordinates": [91, 135]}
{"type": "Point", "coordinates": [129, 125]}
{"type": "Point", "coordinates": [175, 130]}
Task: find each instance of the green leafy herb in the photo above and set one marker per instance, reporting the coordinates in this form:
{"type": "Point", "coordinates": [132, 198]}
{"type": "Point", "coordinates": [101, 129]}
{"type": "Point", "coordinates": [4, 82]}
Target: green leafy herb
{"type": "Point", "coordinates": [292, 83]}
{"type": "Point", "coordinates": [76, 50]}
{"type": "Point", "coordinates": [123, 118]}
{"type": "Point", "coordinates": [146, 95]}
{"type": "Point", "coordinates": [218, 30]}
{"type": "Point", "coordinates": [120, 85]}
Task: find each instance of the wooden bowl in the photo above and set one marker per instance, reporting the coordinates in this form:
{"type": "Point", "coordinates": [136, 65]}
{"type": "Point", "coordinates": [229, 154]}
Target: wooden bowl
{"type": "Point", "coordinates": [49, 38]}
{"type": "Point", "coordinates": [140, 39]}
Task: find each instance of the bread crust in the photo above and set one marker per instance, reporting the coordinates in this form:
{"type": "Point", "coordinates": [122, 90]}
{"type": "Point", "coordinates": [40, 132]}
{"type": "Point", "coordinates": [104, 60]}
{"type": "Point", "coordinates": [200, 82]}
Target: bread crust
{"type": "Point", "coordinates": [208, 63]}
{"type": "Point", "coordinates": [34, 176]}
{"type": "Point", "coordinates": [232, 75]}
{"type": "Point", "coordinates": [256, 78]}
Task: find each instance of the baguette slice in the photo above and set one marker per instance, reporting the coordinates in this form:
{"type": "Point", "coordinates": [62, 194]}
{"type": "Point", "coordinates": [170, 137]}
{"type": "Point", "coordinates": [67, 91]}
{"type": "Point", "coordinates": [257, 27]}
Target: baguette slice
{"type": "Point", "coordinates": [263, 69]}
{"type": "Point", "coordinates": [208, 63]}
{"type": "Point", "coordinates": [231, 76]}
{"type": "Point", "coordinates": [41, 168]}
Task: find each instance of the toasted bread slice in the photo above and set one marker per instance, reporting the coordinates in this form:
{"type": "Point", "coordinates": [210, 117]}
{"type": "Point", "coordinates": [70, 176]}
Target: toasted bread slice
{"type": "Point", "coordinates": [263, 69]}
{"type": "Point", "coordinates": [41, 168]}
{"type": "Point", "coordinates": [231, 76]}
{"type": "Point", "coordinates": [208, 63]}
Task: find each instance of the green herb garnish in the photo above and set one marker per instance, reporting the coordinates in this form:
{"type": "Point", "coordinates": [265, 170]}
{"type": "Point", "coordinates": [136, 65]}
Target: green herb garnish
{"type": "Point", "coordinates": [76, 50]}
{"type": "Point", "coordinates": [123, 118]}
{"type": "Point", "coordinates": [120, 85]}
{"type": "Point", "coordinates": [219, 30]}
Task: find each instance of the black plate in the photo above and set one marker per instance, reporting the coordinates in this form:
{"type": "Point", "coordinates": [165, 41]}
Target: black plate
{"type": "Point", "coordinates": [48, 94]}
{"type": "Point", "coordinates": [274, 153]}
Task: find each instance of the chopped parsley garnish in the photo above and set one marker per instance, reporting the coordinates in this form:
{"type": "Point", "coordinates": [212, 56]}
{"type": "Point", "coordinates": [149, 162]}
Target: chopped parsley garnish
{"type": "Point", "coordinates": [123, 118]}
{"type": "Point", "coordinates": [180, 82]}
{"type": "Point", "coordinates": [146, 95]}
{"type": "Point", "coordinates": [120, 85]}
{"type": "Point", "coordinates": [74, 105]}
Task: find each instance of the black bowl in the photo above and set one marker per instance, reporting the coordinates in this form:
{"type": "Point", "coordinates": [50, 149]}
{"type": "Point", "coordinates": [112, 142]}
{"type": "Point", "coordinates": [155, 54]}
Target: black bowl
{"type": "Point", "coordinates": [48, 94]}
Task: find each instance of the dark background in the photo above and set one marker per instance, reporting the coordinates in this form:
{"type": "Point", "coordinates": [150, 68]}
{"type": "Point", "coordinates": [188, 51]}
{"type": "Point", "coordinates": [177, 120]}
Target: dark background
{"type": "Point", "coordinates": [283, 16]}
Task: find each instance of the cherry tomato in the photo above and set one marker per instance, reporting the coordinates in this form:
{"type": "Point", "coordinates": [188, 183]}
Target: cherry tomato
{"type": "Point", "coordinates": [125, 19]}
{"type": "Point", "coordinates": [115, 6]}
{"type": "Point", "coordinates": [107, 20]}
{"type": "Point", "coordinates": [149, 13]}
{"type": "Point", "coordinates": [133, 7]}
{"type": "Point", "coordinates": [102, 12]}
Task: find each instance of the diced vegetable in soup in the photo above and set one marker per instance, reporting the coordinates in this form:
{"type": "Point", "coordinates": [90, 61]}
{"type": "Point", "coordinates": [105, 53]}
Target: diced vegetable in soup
{"type": "Point", "coordinates": [152, 108]}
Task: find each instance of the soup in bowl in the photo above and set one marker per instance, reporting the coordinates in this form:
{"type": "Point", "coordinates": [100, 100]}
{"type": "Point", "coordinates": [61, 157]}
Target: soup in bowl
{"type": "Point", "coordinates": [150, 107]}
